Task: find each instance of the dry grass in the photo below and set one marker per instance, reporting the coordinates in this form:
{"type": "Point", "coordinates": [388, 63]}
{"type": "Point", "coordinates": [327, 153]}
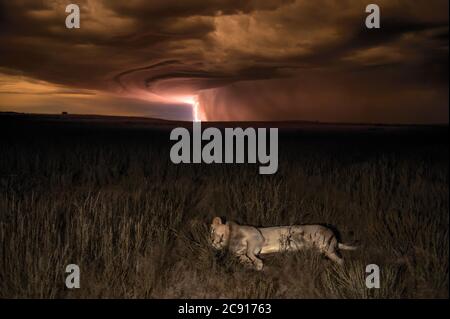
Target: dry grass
{"type": "Point", "coordinates": [137, 225]}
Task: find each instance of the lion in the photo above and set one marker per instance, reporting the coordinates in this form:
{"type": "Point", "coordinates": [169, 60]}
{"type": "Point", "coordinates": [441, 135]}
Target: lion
{"type": "Point", "coordinates": [248, 242]}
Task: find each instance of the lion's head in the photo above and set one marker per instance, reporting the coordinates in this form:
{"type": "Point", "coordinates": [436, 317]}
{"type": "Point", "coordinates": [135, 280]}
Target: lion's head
{"type": "Point", "coordinates": [220, 233]}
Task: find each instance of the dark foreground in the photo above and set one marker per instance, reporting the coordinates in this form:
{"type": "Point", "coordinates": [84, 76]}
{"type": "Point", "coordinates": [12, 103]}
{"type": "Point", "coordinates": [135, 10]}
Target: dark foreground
{"type": "Point", "coordinates": [103, 194]}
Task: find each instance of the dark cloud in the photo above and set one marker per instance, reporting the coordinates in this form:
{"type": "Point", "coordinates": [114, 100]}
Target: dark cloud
{"type": "Point", "coordinates": [244, 59]}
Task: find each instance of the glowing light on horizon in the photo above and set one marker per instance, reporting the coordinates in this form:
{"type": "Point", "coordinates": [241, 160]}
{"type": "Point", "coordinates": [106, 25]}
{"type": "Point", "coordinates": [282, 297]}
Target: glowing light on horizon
{"type": "Point", "coordinates": [195, 106]}
{"type": "Point", "coordinates": [188, 100]}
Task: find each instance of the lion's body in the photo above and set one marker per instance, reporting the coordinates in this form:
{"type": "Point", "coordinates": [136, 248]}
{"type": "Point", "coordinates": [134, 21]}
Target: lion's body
{"type": "Point", "coordinates": [248, 242]}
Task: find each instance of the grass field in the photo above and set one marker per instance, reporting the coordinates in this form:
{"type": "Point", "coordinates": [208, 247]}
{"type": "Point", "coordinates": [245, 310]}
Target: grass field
{"type": "Point", "coordinates": [137, 225]}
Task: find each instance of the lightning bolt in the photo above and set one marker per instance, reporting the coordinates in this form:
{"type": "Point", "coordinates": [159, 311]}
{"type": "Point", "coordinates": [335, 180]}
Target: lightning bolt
{"type": "Point", "coordinates": [195, 111]}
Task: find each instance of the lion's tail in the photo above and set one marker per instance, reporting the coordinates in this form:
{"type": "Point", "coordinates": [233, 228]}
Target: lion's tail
{"type": "Point", "coordinates": [347, 247]}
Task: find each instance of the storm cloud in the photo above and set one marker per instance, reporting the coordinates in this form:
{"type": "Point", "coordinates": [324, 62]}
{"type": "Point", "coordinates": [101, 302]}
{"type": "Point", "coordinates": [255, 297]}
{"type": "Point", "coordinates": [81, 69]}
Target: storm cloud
{"type": "Point", "coordinates": [242, 60]}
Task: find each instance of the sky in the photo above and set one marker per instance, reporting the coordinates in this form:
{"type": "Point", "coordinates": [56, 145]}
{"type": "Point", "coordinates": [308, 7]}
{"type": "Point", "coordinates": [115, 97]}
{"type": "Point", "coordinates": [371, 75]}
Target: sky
{"type": "Point", "coordinates": [265, 60]}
